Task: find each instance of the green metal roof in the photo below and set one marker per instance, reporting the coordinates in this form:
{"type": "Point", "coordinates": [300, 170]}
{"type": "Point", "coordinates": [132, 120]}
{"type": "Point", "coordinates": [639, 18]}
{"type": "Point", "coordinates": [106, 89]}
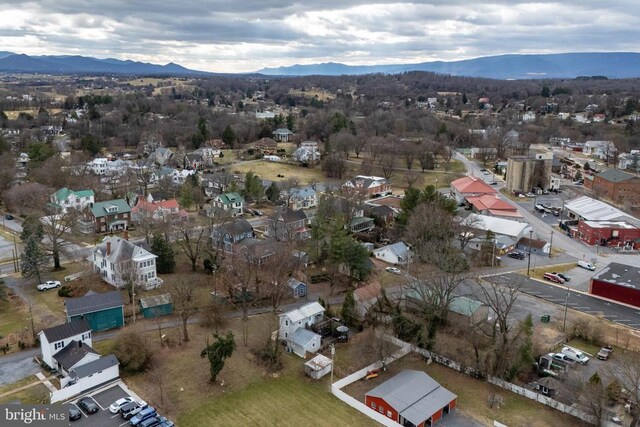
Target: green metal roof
{"type": "Point", "coordinates": [63, 193]}
{"type": "Point", "coordinates": [100, 209]}
{"type": "Point", "coordinates": [229, 198]}
{"type": "Point", "coordinates": [615, 175]}
{"type": "Point", "coordinates": [464, 306]}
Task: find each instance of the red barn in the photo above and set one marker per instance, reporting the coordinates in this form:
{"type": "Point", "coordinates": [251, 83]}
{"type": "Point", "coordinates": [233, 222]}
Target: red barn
{"type": "Point", "coordinates": [619, 282]}
{"type": "Point", "coordinates": [411, 398]}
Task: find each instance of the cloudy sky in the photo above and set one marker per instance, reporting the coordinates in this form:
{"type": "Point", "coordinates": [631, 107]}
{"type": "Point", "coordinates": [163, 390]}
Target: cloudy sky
{"type": "Point", "coordinates": [246, 35]}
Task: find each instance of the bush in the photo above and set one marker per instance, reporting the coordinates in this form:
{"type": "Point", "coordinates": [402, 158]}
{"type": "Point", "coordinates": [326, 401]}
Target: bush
{"type": "Point", "coordinates": [221, 154]}
{"type": "Point", "coordinates": [133, 351]}
{"type": "Point", "coordinates": [64, 291]}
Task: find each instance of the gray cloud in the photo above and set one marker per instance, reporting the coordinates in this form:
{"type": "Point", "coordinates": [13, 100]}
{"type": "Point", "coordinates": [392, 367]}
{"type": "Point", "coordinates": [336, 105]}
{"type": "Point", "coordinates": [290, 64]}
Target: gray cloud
{"type": "Point", "coordinates": [222, 35]}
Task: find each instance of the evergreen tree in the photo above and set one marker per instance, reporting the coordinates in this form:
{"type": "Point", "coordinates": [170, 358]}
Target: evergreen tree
{"type": "Point", "coordinates": [34, 261]}
{"type": "Point", "coordinates": [32, 227]}
{"type": "Point", "coordinates": [545, 92]}
{"type": "Point", "coordinates": [273, 192]}
{"type": "Point", "coordinates": [217, 352]}
{"type": "Point", "coordinates": [165, 263]}
{"type": "Point", "coordinates": [186, 196]}
{"type": "Point", "coordinates": [290, 122]}
{"type": "Point", "coordinates": [228, 136]}
{"type": "Point", "coordinates": [348, 311]}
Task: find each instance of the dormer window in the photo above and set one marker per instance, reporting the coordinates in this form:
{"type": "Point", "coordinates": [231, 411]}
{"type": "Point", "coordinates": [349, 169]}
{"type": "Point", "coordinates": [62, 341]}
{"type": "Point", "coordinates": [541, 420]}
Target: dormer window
{"type": "Point", "coordinates": [112, 209]}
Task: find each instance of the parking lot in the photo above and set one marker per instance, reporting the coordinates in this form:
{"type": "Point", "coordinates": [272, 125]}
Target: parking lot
{"type": "Point", "coordinates": [103, 418]}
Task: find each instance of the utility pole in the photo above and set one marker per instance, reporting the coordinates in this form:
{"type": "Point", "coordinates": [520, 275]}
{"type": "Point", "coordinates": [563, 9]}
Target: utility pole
{"type": "Point", "coordinates": [529, 260]}
{"type": "Point", "coordinates": [566, 303]}
{"type": "Point", "coordinates": [333, 358]}
{"type": "Point", "coordinates": [551, 244]}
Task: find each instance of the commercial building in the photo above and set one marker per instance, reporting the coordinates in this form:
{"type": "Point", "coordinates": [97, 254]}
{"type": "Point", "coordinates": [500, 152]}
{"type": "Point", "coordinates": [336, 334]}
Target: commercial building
{"type": "Point", "coordinates": [619, 282]}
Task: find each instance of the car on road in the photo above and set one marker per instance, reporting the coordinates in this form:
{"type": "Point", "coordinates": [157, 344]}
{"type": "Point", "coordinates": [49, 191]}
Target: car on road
{"type": "Point", "coordinates": [553, 278]}
{"type": "Point", "coordinates": [8, 217]}
{"type": "Point", "coordinates": [586, 265]}
{"type": "Point", "coordinates": [118, 404]}
{"type": "Point", "coordinates": [605, 352]}
{"type": "Point", "coordinates": [88, 405]}
{"type": "Point", "coordinates": [74, 413]}
{"type": "Point", "coordinates": [49, 284]}
{"type": "Point", "coordinates": [517, 255]}
{"type": "Point", "coordinates": [575, 354]}
{"type": "Point", "coordinates": [564, 276]}
{"type": "Point", "coordinates": [393, 270]}
{"type": "Point", "coordinates": [493, 183]}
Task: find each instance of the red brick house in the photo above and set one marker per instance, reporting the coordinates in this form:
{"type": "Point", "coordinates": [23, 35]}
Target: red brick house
{"type": "Point", "coordinates": [619, 282]}
{"type": "Point", "coordinates": [373, 186]}
{"type": "Point", "coordinates": [621, 187]}
{"type": "Point", "coordinates": [411, 398]}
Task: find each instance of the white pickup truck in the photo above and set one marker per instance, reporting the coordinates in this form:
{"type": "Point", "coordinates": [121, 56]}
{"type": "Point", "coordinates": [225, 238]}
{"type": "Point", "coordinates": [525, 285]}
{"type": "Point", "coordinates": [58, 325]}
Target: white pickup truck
{"type": "Point", "coordinates": [49, 284]}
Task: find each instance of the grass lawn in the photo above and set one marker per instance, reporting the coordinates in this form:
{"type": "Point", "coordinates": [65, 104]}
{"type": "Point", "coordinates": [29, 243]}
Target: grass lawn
{"type": "Point", "coordinates": [32, 395]}
{"type": "Point", "coordinates": [13, 314]}
{"type": "Point", "coordinates": [583, 345]}
{"type": "Point", "coordinates": [271, 170]}
{"type": "Point", "coordinates": [538, 272]}
{"type": "Point", "coordinates": [289, 400]}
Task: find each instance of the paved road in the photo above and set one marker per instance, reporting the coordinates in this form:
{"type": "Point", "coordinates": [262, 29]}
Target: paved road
{"type": "Point", "coordinates": [617, 313]}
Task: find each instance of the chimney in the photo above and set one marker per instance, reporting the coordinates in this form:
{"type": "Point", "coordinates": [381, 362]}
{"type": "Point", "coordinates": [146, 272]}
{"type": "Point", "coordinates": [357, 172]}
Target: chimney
{"type": "Point", "coordinates": [79, 343]}
{"type": "Point", "coordinates": [108, 248]}
{"type": "Point", "coordinates": [126, 234]}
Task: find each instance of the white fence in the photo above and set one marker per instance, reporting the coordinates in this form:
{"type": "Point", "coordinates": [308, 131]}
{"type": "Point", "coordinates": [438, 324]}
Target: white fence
{"type": "Point", "coordinates": [356, 404]}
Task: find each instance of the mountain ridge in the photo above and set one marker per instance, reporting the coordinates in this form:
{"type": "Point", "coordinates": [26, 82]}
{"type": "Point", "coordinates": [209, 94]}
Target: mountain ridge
{"type": "Point", "coordinates": [508, 66]}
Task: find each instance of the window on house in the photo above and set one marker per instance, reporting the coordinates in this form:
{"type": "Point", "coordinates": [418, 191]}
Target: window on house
{"type": "Point", "coordinates": [373, 405]}
{"type": "Point", "coordinates": [389, 414]}
{"type": "Point", "coordinates": [381, 410]}
{"type": "Point", "coordinates": [286, 323]}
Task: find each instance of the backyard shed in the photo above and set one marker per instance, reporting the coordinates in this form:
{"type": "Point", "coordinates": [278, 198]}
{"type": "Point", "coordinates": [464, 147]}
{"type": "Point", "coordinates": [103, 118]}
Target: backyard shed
{"type": "Point", "coordinates": [318, 367]}
{"type": "Point", "coordinates": [156, 306]}
{"type": "Point", "coordinates": [102, 311]}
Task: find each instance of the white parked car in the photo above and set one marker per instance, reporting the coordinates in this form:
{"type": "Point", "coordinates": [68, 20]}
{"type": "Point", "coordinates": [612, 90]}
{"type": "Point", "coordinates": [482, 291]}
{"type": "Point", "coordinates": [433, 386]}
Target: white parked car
{"type": "Point", "coordinates": [49, 284]}
{"type": "Point", "coordinates": [118, 404]}
{"type": "Point", "coordinates": [575, 355]}
{"type": "Point", "coordinates": [393, 270]}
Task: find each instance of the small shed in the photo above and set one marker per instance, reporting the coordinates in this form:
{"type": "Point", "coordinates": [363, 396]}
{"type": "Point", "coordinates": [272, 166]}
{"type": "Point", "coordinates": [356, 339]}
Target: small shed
{"type": "Point", "coordinates": [156, 306]}
{"type": "Point", "coordinates": [548, 386]}
{"type": "Point", "coordinates": [318, 367]}
{"type": "Point", "coordinates": [102, 311]}
{"type": "Point", "coordinates": [298, 288]}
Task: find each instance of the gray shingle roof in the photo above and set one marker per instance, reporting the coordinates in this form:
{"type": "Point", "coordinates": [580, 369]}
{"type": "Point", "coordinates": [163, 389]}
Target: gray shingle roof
{"type": "Point", "coordinates": [156, 300]}
{"type": "Point", "coordinates": [415, 395]}
{"type": "Point", "coordinates": [615, 175]}
{"type": "Point", "coordinates": [74, 352]}
{"type": "Point", "coordinates": [66, 330]}
{"type": "Point", "coordinates": [93, 367]}
{"type": "Point", "coordinates": [92, 303]}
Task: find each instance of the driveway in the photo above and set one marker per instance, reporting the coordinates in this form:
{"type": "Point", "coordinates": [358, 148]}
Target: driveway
{"type": "Point", "coordinates": [103, 418]}
{"type": "Point", "coordinates": [18, 366]}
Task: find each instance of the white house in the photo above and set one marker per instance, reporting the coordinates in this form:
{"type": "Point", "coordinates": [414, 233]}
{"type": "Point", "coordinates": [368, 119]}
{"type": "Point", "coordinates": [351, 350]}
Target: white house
{"type": "Point", "coordinates": [272, 158]}
{"type": "Point", "coordinates": [98, 165]}
{"type": "Point", "coordinates": [308, 151]}
{"type": "Point", "coordinates": [119, 262]}
{"type": "Point", "coordinates": [293, 328]}
{"type": "Point", "coordinates": [600, 149]}
{"type": "Point", "coordinates": [87, 376]}
{"type": "Point", "coordinates": [232, 202]}
{"type": "Point", "coordinates": [65, 198]}
{"type": "Point", "coordinates": [56, 338]}
{"type": "Point", "coordinates": [398, 253]}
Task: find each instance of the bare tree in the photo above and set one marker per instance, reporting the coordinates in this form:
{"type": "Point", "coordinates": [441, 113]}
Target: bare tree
{"type": "Point", "coordinates": [239, 276]}
{"type": "Point", "coordinates": [386, 162]}
{"type": "Point", "coordinates": [191, 239]}
{"type": "Point", "coordinates": [185, 302]}
{"type": "Point", "coordinates": [629, 364]}
{"type": "Point", "coordinates": [446, 154]}
{"type": "Point", "coordinates": [58, 234]}
{"type": "Point", "coordinates": [409, 152]}
{"type": "Point", "coordinates": [374, 347]}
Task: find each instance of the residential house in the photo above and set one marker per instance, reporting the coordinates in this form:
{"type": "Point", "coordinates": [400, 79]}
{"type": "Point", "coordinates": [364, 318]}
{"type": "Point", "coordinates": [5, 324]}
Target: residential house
{"type": "Point", "coordinates": [217, 183]}
{"type": "Point", "coordinates": [599, 149]}
{"type": "Point", "coordinates": [102, 311]}
{"type": "Point", "coordinates": [536, 246]}
{"type": "Point", "coordinates": [411, 398]}
{"type": "Point", "coordinates": [232, 203]}
{"type": "Point", "coordinates": [307, 152]}
{"type": "Point", "coordinates": [75, 354]}
{"type": "Point", "coordinates": [469, 186]}
{"type": "Point", "coordinates": [65, 198]}
{"type": "Point", "coordinates": [56, 338]}
{"type": "Point", "coordinates": [98, 166]}
{"type": "Point", "coordinates": [366, 297]}
{"type": "Point", "coordinates": [616, 185]}
{"type": "Point", "coordinates": [106, 217]}
{"type": "Point", "coordinates": [122, 263]}
{"type": "Point", "coordinates": [630, 161]}
{"type": "Point", "coordinates": [286, 223]}
{"type": "Point", "coordinates": [372, 186]}
{"type": "Point", "coordinates": [257, 251]}
{"type": "Point", "coordinates": [303, 198]}
{"type": "Point", "coordinates": [283, 135]}
{"type": "Point", "coordinates": [208, 155]}
{"type": "Point", "coordinates": [226, 236]}
{"type": "Point", "coordinates": [165, 211]}
{"type": "Point", "coordinates": [298, 288]}
{"type": "Point", "coordinates": [293, 329]}
{"type": "Point", "coordinates": [361, 224]}
{"type": "Point", "coordinates": [156, 306]}
{"type": "Point", "coordinates": [396, 254]}
{"type": "Point", "coordinates": [161, 155]}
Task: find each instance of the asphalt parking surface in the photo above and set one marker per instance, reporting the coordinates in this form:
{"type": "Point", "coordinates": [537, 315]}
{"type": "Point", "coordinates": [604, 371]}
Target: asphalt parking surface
{"type": "Point", "coordinates": [103, 418]}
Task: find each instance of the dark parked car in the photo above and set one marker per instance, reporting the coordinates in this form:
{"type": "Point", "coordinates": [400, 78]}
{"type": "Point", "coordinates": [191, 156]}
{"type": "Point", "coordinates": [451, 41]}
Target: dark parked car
{"type": "Point", "coordinates": [89, 405]}
{"type": "Point", "coordinates": [564, 276]}
{"type": "Point", "coordinates": [9, 217]}
{"type": "Point", "coordinates": [516, 255]}
{"type": "Point", "coordinates": [74, 413]}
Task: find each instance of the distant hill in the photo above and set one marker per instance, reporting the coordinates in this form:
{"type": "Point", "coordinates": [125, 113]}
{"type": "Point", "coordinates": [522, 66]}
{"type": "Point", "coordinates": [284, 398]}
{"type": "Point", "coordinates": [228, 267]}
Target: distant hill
{"type": "Point", "coordinates": [562, 65]}
{"type": "Point", "coordinates": [20, 63]}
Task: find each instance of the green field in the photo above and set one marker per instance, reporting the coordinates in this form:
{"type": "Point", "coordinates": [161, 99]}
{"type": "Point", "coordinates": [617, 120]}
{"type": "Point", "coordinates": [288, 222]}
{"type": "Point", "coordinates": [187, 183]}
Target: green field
{"type": "Point", "coordinates": [285, 401]}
